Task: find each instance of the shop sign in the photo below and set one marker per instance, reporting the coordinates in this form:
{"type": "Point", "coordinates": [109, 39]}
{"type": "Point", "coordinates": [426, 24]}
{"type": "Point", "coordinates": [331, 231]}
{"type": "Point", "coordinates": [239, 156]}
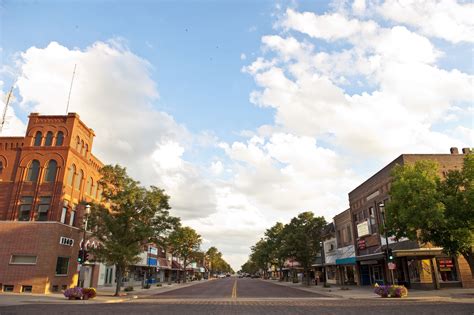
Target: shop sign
{"type": "Point", "coordinates": [153, 250]}
{"type": "Point", "coordinates": [446, 263]}
{"type": "Point", "coordinates": [363, 229]}
{"type": "Point", "coordinates": [361, 244]}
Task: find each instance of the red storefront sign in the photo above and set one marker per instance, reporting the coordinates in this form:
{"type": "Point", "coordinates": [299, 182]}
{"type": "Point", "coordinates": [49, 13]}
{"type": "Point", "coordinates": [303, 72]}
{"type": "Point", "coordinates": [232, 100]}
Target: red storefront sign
{"type": "Point", "coordinates": [446, 263]}
{"type": "Point", "coordinates": [361, 244]}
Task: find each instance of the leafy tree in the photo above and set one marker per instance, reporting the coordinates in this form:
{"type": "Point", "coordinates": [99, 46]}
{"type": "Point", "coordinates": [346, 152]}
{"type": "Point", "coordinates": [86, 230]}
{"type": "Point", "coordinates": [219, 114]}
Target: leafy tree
{"type": "Point", "coordinates": [302, 239]}
{"type": "Point", "coordinates": [249, 267]}
{"type": "Point", "coordinates": [217, 263]}
{"type": "Point", "coordinates": [278, 251]}
{"type": "Point", "coordinates": [129, 217]}
{"type": "Point", "coordinates": [261, 255]}
{"type": "Point", "coordinates": [427, 209]}
{"type": "Point", "coordinates": [184, 242]}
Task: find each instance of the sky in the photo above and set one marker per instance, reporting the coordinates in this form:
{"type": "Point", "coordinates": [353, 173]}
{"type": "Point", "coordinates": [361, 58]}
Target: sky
{"type": "Point", "coordinates": [246, 112]}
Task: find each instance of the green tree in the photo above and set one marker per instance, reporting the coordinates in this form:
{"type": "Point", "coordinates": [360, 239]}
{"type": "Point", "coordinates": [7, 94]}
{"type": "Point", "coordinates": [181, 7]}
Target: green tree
{"type": "Point", "coordinates": [249, 267]}
{"type": "Point", "coordinates": [302, 239]}
{"type": "Point", "coordinates": [278, 251]}
{"type": "Point", "coordinates": [217, 263]}
{"type": "Point", "coordinates": [184, 242]}
{"type": "Point", "coordinates": [427, 209]}
{"type": "Point", "coordinates": [260, 255]}
{"type": "Point", "coordinates": [134, 216]}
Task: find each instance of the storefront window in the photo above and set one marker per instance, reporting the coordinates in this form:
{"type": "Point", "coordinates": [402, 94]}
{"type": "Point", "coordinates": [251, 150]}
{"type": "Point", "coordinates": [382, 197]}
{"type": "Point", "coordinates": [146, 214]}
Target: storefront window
{"type": "Point", "coordinates": [414, 268]}
{"type": "Point", "coordinates": [331, 272]}
{"type": "Point", "coordinates": [447, 269]}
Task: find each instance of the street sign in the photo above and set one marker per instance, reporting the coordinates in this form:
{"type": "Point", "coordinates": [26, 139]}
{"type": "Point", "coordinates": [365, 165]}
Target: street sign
{"type": "Point", "coordinates": [392, 266]}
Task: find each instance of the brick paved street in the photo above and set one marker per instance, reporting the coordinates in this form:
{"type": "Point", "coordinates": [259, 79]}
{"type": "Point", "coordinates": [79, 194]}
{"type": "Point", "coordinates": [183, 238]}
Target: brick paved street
{"type": "Point", "coordinates": [246, 296]}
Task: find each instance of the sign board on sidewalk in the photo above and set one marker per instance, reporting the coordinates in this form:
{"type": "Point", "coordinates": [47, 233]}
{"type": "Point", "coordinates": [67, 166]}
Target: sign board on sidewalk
{"type": "Point", "coordinates": [392, 266]}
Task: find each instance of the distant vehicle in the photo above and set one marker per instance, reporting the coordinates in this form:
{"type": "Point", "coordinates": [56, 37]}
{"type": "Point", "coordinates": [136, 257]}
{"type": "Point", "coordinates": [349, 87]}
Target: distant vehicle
{"type": "Point", "coordinates": [220, 276]}
{"type": "Point", "coordinates": [255, 276]}
{"type": "Point", "coordinates": [227, 275]}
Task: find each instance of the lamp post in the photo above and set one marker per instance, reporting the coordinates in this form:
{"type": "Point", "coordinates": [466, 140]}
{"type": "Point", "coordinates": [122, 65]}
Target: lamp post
{"type": "Point", "coordinates": [323, 263]}
{"type": "Point", "coordinates": [83, 246]}
{"type": "Point", "coordinates": [382, 212]}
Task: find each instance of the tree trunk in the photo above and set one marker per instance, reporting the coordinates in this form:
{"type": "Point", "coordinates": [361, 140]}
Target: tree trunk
{"type": "Point", "coordinates": [469, 256]}
{"type": "Point", "coordinates": [118, 275]}
{"type": "Point", "coordinates": [306, 272]}
{"type": "Point", "coordinates": [185, 271]}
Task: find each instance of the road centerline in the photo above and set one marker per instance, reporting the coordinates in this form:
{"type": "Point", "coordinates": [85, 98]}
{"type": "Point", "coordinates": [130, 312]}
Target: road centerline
{"type": "Point", "coordinates": [234, 290]}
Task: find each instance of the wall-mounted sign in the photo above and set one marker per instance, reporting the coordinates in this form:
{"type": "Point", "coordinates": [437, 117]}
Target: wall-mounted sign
{"type": "Point", "coordinates": [361, 244]}
{"type": "Point", "coordinates": [153, 250]}
{"type": "Point", "coordinates": [66, 241]}
{"type": "Point", "coordinates": [363, 229]}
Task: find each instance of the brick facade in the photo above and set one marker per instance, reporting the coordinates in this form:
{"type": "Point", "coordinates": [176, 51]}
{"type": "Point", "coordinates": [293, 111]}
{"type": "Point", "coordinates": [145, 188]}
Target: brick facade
{"type": "Point", "coordinates": [46, 177]}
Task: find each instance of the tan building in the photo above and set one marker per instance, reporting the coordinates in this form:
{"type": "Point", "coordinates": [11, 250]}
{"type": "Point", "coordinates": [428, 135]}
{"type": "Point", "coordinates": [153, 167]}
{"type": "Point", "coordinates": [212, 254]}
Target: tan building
{"type": "Point", "coordinates": [345, 257]}
{"type": "Point", "coordinates": [46, 178]}
{"type": "Point", "coordinates": [416, 266]}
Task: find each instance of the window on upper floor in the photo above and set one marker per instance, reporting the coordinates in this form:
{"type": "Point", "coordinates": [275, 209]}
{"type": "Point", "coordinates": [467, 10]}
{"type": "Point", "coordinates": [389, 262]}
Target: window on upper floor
{"type": "Point", "coordinates": [38, 139]}
{"type": "Point", "coordinates": [349, 234]}
{"type": "Point", "coordinates": [24, 211]}
{"type": "Point", "coordinates": [89, 186]}
{"type": "Point", "coordinates": [72, 217]}
{"type": "Point", "coordinates": [86, 149]}
{"type": "Point", "coordinates": [78, 144]}
{"type": "Point", "coordinates": [59, 138]}
{"type": "Point", "coordinates": [48, 141]}
{"type": "Point", "coordinates": [1, 167]}
{"type": "Point", "coordinates": [80, 176]}
{"type": "Point", "coordinates": [63, 214]}
{"type": "Point", "coordinates": [51, 170]}
{"type": "Point", "coordinates": [70, 175]}
{"type": "Point", "coordinates": [43, 209]}
{"type": "Point", "coordinates": [82, 147]}
{"type": "Point", "coordinates": [33, 171]}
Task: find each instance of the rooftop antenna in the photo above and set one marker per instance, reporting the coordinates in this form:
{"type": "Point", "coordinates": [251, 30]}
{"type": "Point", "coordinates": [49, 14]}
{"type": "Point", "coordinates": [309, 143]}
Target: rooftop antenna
{"type": "Point", "coordinates": [70, 88]}
{"type": "Point", "coordinates": [4, 115]}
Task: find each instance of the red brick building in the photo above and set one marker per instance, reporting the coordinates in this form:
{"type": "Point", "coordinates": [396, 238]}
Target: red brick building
{"type": "Point", "coordinates": [416, 266]}
{"type": "Point", "coordinates": [46, 178]}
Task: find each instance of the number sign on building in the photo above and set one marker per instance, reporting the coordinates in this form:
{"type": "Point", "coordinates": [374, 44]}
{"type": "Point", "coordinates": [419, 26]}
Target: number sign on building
{"type": "Point", "coordinates": [66, 241]}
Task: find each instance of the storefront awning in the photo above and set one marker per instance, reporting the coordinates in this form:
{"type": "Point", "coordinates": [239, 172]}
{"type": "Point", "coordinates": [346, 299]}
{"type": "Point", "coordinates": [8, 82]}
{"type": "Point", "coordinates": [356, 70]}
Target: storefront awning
{"type": "Point", "coordinates": [430, 252]}
{"type": "Point", "coordinates": [346, 261]}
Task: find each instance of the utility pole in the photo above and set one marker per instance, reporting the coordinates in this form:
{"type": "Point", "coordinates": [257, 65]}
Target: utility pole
{"type": "Point", "coordinates": [4, 115]}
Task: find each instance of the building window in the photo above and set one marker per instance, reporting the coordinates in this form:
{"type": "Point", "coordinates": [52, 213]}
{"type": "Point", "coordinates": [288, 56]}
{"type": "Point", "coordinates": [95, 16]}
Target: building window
{"type": "Point", "coordinates": [86, 149]}
{"type": "Point", "coordinates": [72, 217]}
{"type": "Point", "coordinates": [62, 265]}
{"type": "Point", "coordinates": [55, 288]}
{"type": "Point", "coordinates": [349, 234]}
{"type": "Point", "coordinates": [78, 144]}
{"type": "Point", "coordinates": [447, 269]}
{"type": "Point", "coordinates": [33, 171]}
{"type": "Point", "coordinates": [79, 177]}
{"type": "Point", "coordinates": [23, 260]}
{"type": "Point", "coordinates": [49, 139]}
{"type": "Point", "coordinates": [1, 167]}
{"type": "Point", "coordinates": [89, 186]}
{"type": "Point", "coordinates": [70, 176]}
{"type": "Point", "coordinates": [38, 138]}
{"type": "Point", "coordinates": [59, 138]}
{"type": "Point", "coordinates": [43, 208]}
{"type": "Point", "coordinates": [63, 215]}
{"type": "Point", "coordinates": [51, 169]}
{"type": "Point", "coordinates": [25, 208]}
{"type": "Point", "coordinates": [8, 288]}
{"type": "Point", "coordinates": [26, 288]}
{"type": "Point", "coordinates": [82, 147]}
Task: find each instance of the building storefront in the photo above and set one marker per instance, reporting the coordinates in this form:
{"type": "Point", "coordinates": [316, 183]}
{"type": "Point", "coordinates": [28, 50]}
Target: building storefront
{"type": "Point", "coordinates": [346, 268]}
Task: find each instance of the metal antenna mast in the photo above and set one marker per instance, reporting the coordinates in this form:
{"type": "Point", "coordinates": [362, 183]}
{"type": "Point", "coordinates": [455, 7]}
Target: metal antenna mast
{"type": "Point", "coordinates": [4, 115]}
{"type": "Point", "coordinates": [70, 88]}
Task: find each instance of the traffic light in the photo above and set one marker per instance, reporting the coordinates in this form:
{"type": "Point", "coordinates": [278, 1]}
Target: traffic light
{"type": "Point", "coordinates": [80, 256]}
{"type": "Point", "coordinates": [390, 255]}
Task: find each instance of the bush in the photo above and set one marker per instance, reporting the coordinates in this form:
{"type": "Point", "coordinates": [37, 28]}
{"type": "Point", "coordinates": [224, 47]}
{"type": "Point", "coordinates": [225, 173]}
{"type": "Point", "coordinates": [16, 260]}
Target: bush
{"type": "Point", "coordinates": [73, 293]}
{"type": "Point", "coordinates": [128, 289]}
{"type": "Point", "coordinates": [158, 284]}
{"type": "Point", "coordinates": [89, 293]}
{"type": "Point", "coordinates": [327, 285]}
{"type": "Point", "coordinates": [395, 291]}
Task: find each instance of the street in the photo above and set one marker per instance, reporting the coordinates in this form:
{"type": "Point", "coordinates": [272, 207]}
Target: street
{"type": "Point", "coordinates": [245, 296]}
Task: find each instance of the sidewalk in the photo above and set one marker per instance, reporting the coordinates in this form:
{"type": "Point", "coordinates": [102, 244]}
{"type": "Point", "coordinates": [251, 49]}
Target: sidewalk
{"type": "Point", "coordinates": [367, 292]}
{"type": "Point", "coordinates": [104, 295]}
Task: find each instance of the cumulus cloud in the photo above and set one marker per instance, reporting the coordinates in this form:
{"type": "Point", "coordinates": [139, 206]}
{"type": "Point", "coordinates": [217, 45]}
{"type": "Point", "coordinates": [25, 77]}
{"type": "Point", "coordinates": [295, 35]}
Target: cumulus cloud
{"type": "Point", "coordinates": [114, 94]}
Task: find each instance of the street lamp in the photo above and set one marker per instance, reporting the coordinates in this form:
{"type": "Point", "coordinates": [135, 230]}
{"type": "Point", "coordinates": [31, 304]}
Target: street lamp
{"type": "Point", "coordinates": [323, 262]}
{"type": "Point", "coordinates": [83, 245]}
{"type": "Point", "coordinates": [382, 212]}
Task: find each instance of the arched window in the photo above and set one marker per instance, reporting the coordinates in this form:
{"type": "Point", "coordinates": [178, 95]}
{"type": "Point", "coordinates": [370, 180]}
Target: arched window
{"type": "Point", "coordinates": [82, 147]}
{"type": "Point", "coordinates": [38, 138]}
{"type": "Point", "coordinates": [33, 171]}
{"type": "Point", "coordinates": [94, 190]}
{"type": "Point", "coordinates": [59, 138]}
{"type": "Point", "coordinates": [86, 149]}
{"type": "Point", "coordinates": [70, 176]}
{"type": "Point", "coordinates": [51, 170]}
{"type": "Point", "coordinates": [1, 167]}
{"type": "Point", "coordinates": [78, 144]}
{"type": "Point", "coordinates": [49, 139]}
{"type": "Point", "coordinates": [89, 186]}
{"type": "Point", "coordinates": [79, 178]}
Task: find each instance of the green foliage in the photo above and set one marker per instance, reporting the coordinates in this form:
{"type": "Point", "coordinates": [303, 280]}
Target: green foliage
{"type": "Point", "coordinates": [184, 242]}
{"type": "Point", "coordinates": [129, 217]}
{"type": "Point", "coordinates": [425, 208]}
{"type": "Point", "coordinates": [217, 263]}
{"type": "Point", "coordinates": [249, 267]}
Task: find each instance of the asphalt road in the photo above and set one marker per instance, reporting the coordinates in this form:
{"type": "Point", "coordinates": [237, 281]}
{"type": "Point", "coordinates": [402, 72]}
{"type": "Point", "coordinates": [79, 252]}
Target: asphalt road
{"type": "Point", "coordinates": [235, 288]}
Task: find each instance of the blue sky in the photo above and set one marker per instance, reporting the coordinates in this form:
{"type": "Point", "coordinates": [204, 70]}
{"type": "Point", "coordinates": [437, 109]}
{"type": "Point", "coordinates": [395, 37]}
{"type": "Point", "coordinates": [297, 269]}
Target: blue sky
{"type": "Point", "coordinates": [233, 106]}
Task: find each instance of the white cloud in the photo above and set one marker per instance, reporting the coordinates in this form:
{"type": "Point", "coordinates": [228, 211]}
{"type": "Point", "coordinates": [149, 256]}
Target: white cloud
{"type": "Point", "coordinates": [243, 56]}
{"type": "Point", "coordinates": [114, 94]}
{"type": "Point", "coordinates": [447, 19]}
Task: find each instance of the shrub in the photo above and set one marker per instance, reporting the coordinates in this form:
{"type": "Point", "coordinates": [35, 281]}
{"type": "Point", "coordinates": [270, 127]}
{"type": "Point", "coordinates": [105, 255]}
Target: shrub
{"type": "Point", "coordinates": [158, 284]}
{"type": "Point", "coordinates": [73, 293]}
{"type": "Point", "coordinates": [397, 291]}
{"type": "Point", "coordinates": [128, 289]}
{"type": "Point", "coordinates": [89, 292]}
